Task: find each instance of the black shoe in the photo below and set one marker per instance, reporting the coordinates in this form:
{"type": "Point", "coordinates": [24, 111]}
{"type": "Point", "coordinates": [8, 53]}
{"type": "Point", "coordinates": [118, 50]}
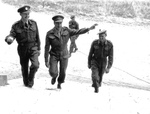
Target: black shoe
{"type": "Point", "coordinates": [25, 83]}
{"type": "Point", "coordinates": [30, 84]}
{"type": "Point", "coordinates": [100, 84]}
{"type": "Point", "coordinates": [59, 86]}
{"type": "Point", "coordinates": [53, 81]}
{"type": "Point", "coordinates": [96, 90]}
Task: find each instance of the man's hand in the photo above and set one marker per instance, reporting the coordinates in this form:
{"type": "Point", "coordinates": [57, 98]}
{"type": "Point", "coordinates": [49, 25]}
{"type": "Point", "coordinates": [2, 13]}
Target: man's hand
{"type": "Point", "coordinates": [47, 64]}
{"type": "Point", "coordinates": [93, 26]}
{"type": "Point", "coordinates": [106, 70]}
{"type": "Point", "coordinates": [39, 52]}
{"type": "Point", "coordinates": [9, 39]}
{"type": "Point", "coordinates": [89, 66]}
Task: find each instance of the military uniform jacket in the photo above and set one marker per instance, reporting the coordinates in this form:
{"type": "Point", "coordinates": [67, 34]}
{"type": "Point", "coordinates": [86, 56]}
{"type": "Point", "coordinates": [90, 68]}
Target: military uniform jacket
{"type": "Point", "coordinates": [73, 25]}
{"type": "Point", "coordinates": [101, 54]}
{"type": "Point", "coordinates": [56, 43]}
{"type": "Point", "coordinates": [26, 34]}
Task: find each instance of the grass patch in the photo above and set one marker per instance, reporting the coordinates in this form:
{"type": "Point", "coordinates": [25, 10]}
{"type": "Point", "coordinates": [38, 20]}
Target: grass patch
{"type": "Point", "coordinates": [98, 10]}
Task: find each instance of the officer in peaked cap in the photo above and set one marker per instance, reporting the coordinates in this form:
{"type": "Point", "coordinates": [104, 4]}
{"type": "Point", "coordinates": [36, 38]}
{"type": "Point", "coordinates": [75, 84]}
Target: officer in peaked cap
{"type": "Point", "coordinates": [56, 51]}
{"type": "Point", "coordinates": [58, 18]}
{"type": "Point", "coordinates": [24, 9]}
{"type": "Point", "coordinates": [26, 33]}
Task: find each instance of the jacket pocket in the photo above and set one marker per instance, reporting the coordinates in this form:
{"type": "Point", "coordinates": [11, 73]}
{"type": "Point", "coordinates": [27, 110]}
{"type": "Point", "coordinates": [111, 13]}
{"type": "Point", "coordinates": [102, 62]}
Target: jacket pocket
{"type": "Point", "coordinates": [52, 37]}
{"type": "Point", "coordinates": [34, 48]}
{"type": "Point", "coordinates": [33, 32]}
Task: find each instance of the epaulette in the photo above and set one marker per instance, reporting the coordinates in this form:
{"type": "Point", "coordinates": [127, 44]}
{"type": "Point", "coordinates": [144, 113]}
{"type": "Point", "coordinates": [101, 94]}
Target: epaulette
{"type": "Point", "coordinates": [96, 40]}
{"type": "Point", "coordinates": [16, 22]}
{"type": "Point", "coordinates": [32, 20]}
{"type": "Point", "coordinates": [64, 27]}
{"type": "Point", "coordinates": [109, 42]}
{"type": "Point", "coordinates": [50, 31]}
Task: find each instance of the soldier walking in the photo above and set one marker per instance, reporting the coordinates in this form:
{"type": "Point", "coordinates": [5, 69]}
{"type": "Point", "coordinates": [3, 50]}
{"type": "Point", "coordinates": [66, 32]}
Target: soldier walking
{"type": "Point", "coordinates": [100, 59]}
{"type": "Point", "coordinates": [56, 51]}
{"type": "Point", "coordinates": [26, 33]}
{"type": "Point", "coordinates": [73, 24]}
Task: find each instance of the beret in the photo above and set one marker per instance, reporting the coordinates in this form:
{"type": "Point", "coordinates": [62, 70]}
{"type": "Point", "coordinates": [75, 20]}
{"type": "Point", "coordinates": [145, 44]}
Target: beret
{"type": "Point", "coordinates": [101, 31]}
{"type": "Point", "coordinates": [58, 18]}
{"type": "Point", "coordinates": [24, 9]}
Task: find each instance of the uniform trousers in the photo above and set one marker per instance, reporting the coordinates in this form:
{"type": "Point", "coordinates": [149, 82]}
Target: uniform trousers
{"type": "Point", "coordinates": [73, 43]}
{"type": "Point", "coordinates": [58, 67]}
{"type": "Point", "coordinates": [26, 54]}
{"type": "Point", "coordinates": [98, 70]}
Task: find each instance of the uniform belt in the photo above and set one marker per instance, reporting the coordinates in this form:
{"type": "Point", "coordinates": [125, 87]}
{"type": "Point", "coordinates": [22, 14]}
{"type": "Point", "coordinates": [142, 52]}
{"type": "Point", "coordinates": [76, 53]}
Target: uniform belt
{"type": "Point", "coordinates": [28, 44]}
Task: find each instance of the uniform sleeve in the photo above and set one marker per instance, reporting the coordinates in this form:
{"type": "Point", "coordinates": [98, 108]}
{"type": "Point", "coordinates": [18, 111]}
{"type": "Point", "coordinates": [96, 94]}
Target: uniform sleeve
{"type": "Point", "coordinates": [78, 32]}
{"type": "Point", "coordinates": [77, 26]}
{"type": "Point", "coordinates": [38, 38]}
{"type": "Point", "coordinates": [70, 24]}
{"type": "Point", "coordinates": [47, 48]}
{"type": "Point", "coordinates": [110, 58]}
{"type": "Point", "coordinates": [90, 54]}
{"type": "Point", "coordinates": [13, 32]}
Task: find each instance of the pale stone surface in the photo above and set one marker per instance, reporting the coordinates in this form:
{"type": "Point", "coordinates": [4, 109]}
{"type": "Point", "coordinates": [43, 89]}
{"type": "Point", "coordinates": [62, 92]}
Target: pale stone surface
{"type": "Point", "coordinates": [3, 80]}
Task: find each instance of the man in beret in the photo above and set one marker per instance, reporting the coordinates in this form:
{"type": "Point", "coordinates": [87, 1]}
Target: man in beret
{"type": "Point", "coordinates": [26, 33]}
{"type": "Point", "coordinates": [73, 24]}
{"type": "Point", "coordinates": [56, 51]}
{"type": "Point", "coordinates": [100, 58]}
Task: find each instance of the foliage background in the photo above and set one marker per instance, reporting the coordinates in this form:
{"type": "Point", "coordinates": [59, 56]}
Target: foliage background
{"type": "Point", "coordinates": [126, 12]}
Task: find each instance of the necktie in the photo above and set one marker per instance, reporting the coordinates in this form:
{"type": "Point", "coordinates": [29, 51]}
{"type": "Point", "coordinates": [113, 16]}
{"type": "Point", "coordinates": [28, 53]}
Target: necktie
{"type": "Point", "coordinates": [26, 25]}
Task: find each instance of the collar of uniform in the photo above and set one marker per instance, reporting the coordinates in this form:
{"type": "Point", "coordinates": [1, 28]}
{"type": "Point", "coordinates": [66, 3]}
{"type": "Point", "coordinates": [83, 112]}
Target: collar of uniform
{"type": "Point", "coordinates": [22, 23]}
{"type": "Point", "coordinates": [29, 22]}
{"type": "Point", "coordinates": [105, 42]}
{"type": "Point", "coordinates": [54, 31]}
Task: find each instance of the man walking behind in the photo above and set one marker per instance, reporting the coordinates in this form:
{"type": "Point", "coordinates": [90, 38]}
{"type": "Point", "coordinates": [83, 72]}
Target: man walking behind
{"type": "Point", "coordinates": [73, 24]}
{"type": "Point", "coordinates": [26, 33]}
{"type": "Point", "coordinates": [100, 59]}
